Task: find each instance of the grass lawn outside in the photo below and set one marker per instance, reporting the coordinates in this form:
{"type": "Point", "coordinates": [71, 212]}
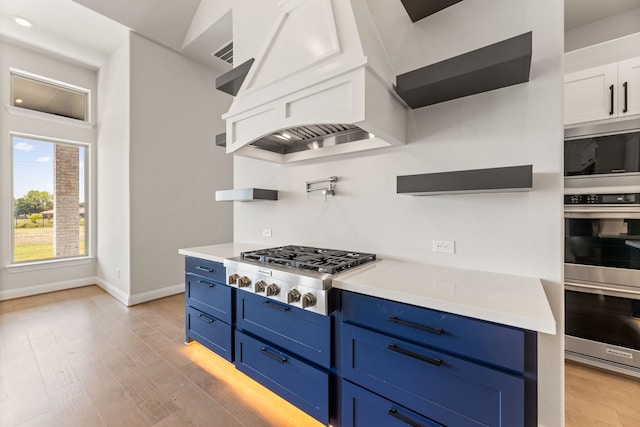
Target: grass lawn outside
{"type": "Point", "coordinates": [32, 244]}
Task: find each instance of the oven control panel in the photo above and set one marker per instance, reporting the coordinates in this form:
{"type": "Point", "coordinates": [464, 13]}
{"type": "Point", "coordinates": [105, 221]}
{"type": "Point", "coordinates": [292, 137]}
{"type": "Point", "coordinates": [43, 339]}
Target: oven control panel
{"type": "Point", "coordinates": [602, 199]}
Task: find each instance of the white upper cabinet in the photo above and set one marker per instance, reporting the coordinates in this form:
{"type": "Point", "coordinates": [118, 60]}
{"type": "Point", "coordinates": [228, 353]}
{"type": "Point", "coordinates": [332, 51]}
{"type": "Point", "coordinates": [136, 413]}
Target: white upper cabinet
{"type": "Point", "coordinates": [604, 92]}
{"type": "Point", "coordinates": [629, 81]}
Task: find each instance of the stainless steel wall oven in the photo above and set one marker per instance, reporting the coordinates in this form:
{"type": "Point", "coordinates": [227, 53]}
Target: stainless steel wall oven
{"type": "Point", "coordinates": [602, 245]}
{"type": "Point", "coordinates": [602, 280]}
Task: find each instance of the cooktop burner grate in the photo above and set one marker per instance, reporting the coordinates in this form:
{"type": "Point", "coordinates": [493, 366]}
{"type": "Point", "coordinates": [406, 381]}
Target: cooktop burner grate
{"type": "Point", "coordinates": [329, 261]}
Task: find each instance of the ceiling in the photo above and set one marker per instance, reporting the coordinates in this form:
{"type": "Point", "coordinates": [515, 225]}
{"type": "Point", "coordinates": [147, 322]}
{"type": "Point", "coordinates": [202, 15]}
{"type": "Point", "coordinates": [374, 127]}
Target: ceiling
{"type": "Point", "coordinates": [581, 12]}
{"type": "Point", "coordinates": [89, 30]}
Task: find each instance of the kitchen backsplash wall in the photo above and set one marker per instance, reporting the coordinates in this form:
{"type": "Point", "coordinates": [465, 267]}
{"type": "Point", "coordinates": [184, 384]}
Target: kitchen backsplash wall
{"type": "Point", "coordinates": [519, 233]}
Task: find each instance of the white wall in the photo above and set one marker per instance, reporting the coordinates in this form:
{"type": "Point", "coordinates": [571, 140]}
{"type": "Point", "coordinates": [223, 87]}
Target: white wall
{"type": "Point", "coordinates": [175, 166]}
{"type": "Point", "coordinates": [602, 30]}
{"type": "Point", "coordinates": [519, 233]}
{"type": "Point", "coordinates": [113, 174]}
{"type": "Point", "coordinates": [22, 283]}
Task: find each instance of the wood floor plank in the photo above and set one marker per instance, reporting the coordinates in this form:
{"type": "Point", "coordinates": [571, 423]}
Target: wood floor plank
{"type": "Point", "coordinates": [71, 402]}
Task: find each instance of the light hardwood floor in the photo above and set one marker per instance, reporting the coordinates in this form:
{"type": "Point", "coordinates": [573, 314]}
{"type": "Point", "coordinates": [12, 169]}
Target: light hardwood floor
{"type": "Point", "coordinates": [598, 398]}
{"type": "Point", "coordinates": [80, 358]}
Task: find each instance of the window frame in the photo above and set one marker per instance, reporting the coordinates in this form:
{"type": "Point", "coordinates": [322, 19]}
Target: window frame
{"type": "Point", "coordinates": [88, 202]}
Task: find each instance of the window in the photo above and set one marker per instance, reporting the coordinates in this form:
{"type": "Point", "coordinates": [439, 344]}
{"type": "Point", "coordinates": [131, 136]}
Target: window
{"type": "Point", "coordinates": [48, 96]}
{"type": "Point", "coordinates": [49, 195]}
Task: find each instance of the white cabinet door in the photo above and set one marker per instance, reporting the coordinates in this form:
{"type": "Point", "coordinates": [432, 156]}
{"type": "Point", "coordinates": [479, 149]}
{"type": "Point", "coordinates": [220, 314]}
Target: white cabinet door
{"type": "Point", "coordinates": [590, 94]}
{"type": "Point", "coordinates": [629, 82]}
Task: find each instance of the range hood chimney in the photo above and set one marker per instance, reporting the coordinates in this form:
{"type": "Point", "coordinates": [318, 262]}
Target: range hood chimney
{"type": "Point", "coordinates": [321, 85]}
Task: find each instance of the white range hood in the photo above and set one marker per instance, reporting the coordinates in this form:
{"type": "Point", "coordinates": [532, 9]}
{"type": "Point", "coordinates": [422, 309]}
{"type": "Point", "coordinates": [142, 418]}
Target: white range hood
{"type": "Point", "coordinates": [321, 85]}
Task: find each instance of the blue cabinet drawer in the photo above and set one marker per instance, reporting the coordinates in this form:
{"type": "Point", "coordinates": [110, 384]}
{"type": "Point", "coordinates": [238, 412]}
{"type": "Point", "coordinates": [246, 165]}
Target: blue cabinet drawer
{"type": "Point", "coordinates": [438, 385]}
{"type": "Point", "coordinates": [301, 332]}
{"type": "Point", "coordinates": [211, 332]}
{"type": "Point", "coordinates": [210, 269]}
{"type": "Point", "coordinates": [361, 408]}
{"type": "Point", "coordinates": [300, 383]}
{"type": "Point", "coordinates": [209, 296]}
{"type": "Point", "coordinates": [471, 338]}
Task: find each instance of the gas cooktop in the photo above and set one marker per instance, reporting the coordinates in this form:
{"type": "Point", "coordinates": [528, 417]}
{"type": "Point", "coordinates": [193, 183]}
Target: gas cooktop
{"type": "Point", "coordinates": [295, 275]}
{"type": "Point", "coordinates": [329, 261]}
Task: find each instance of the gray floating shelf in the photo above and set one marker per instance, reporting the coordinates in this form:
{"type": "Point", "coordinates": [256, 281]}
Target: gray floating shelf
{"type": "Point", "coordinates": [221, 139]}
{"type": "Point", "coordinates": [246, 195]}
{"type": "Point", "coordinates": [231, 81]}
{"type": "Point", "coordinates": [493, 180]}
{"type": "Point", "coordinates": [418, 9]}
{"type": "Point", "coordinates": [499, 65]}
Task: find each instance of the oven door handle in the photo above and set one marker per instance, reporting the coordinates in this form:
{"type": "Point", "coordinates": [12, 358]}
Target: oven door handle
{"type": "Point", "coordinates": [595, 288]}
{"type": "Point", "coordinates": [602, 214]}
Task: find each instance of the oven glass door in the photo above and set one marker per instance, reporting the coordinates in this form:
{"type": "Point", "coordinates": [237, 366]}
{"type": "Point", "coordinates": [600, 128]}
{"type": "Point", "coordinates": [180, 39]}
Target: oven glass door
{"type": "Point", "coordinates": [613, 320]}
{"type": "Point", "coordinates": [602, 240]}
{"type": "Point", "coordinates": [619, 153]}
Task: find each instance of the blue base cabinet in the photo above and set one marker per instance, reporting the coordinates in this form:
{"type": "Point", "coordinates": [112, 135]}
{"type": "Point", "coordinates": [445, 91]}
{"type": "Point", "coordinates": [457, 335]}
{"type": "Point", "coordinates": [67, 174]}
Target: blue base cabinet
{"type": "Point", "coordinates": [421, 367]}
{"type": "Point", "coordinates": [360, 407]}
{"type": "Point", "coordinates": [209, 306]}
{"type": "Point", "coordinates": [304, 333]}
{"type": "Point", "coordinates": [286, 349]}
{"type": "Point", "coordinates": [287, 375]}
{"type": "Point", "coordinates": [372, 362]}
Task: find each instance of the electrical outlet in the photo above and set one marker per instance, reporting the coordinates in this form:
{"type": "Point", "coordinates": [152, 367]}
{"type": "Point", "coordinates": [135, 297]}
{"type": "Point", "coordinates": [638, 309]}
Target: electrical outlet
{"type": "Point", "coordinates": [118, 272]}
{"type": "Point", "coordinates": [446, 246]}
{"type": "Point", "coordinates": [266, 232]}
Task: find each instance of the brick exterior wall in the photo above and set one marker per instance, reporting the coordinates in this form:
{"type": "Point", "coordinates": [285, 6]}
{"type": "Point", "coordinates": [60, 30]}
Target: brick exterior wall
{"type": "Point", "coordinates": [66, 196]}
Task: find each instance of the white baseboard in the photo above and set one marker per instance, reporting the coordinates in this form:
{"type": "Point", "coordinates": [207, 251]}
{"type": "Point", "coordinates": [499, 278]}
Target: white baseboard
{"type": "Point", "coordinates": [48, 287]}
{"type": "Point", "coordinates": [156, 294]}
{"type": "Point", "coordinates": [117, 293]}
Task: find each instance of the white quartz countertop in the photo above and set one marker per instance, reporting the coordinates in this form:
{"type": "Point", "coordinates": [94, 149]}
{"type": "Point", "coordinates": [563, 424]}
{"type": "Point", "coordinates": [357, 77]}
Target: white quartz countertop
{"type": "Point", "coordinates": [218, 253]}
{"type": "Point", "coordinates": [512, 300]}
{"type": "Point", "coordinates": [501, 298]}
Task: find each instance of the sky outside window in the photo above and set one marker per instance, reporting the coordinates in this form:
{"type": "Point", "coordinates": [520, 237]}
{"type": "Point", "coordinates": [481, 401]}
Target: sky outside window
{"type": "Point", "coordinates": [33, 167]}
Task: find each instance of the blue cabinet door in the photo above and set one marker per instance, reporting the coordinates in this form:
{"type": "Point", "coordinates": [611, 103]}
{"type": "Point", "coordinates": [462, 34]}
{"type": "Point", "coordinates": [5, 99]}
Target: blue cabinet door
{"type": "Point", "coordinates": [300, 332]}
{"type": "Point", "coordinates": [209, 296]}
{"type": "Point", "coordinates": [302, 384]}
{"type": "Point", "coordinates": [440, 386]}
{"type": "Point", "coordinates": [361, 408]}
{"type": "Point", "coordinates": [486, 342]}
{"type": "Point", "coordinates": [213, 333]}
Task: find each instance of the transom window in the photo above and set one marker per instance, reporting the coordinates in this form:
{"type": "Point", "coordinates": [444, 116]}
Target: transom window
{"type": "Point", "coordinates": [49, 97]}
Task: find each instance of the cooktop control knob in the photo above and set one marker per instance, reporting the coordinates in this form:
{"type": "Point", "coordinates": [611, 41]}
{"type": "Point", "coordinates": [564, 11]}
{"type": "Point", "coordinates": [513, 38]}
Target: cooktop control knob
{"type": "Point", "coordinates": [273, 290]}
{"type": "Point", "coordinates": [308, 300]}
{"type": "Point", "coordinates": [293, 296]}
{"type": "Point", "coordinates": [243, 282]}
{"type": "Point", "coordinates": [260, 286]}
{"type": "Point", "coordinates": [233, 278]}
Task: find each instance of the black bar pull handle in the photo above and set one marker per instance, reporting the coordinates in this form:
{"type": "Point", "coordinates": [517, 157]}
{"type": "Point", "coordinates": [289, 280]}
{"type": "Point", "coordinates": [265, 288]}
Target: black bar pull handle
{"type": "Point", "coordinates": [276, 306]}
{"type": "Point", "coordinates": [424, 358]}
{"type": "Point", "coordinates": [436, 331]}
{"type": "Point", "coordinates": [408, 421]}
{"type": "Point", "coordinates": [611, 99]}
{"type": "Point", "coordinates": [626, 101]}
{"type": "Point", "coordinates": [205, 318]}
{"type": "Point", "coordinates": [208, 270]}
{"type": "Point", "coordinates": [207, 284]}
{"type": "Point", "coordinates": [273, 356]}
